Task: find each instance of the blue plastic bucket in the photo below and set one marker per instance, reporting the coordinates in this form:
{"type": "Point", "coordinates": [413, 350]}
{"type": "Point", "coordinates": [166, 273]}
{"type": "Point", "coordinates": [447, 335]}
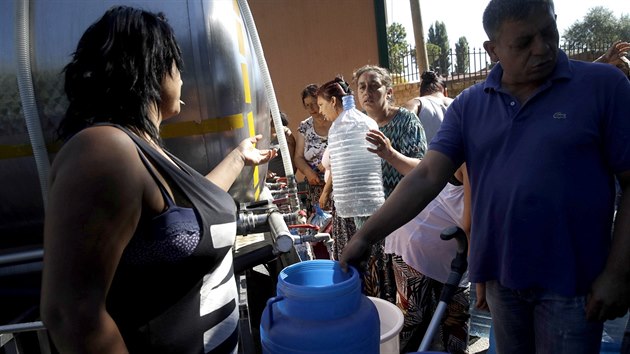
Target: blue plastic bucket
{"type": "Point", "coordinates": [319, 309]}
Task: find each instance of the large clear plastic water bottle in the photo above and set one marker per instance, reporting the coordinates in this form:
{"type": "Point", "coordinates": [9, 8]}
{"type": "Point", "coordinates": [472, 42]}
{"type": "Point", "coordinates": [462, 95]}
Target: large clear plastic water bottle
{"type": "Point", "coordinates": [356, 172]}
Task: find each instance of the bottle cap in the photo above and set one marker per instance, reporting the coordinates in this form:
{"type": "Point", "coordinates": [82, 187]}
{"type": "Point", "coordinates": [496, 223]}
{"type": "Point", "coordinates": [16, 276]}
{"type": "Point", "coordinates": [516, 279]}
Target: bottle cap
{"type": "Point", "coordinates": [348, 102]}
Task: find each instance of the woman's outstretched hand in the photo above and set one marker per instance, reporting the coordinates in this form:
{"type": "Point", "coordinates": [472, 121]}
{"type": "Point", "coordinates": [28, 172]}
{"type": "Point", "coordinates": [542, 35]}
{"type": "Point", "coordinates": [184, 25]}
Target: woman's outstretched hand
{"type": "Point", "coordinates": [251, 155]}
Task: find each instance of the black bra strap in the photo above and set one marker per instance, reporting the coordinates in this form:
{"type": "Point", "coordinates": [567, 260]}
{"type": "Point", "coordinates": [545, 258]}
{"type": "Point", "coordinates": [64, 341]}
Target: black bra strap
{"type": "Point", "coordinates": [167, 197]}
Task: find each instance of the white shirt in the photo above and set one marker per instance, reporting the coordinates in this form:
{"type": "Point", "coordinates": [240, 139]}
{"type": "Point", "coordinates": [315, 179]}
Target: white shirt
{"type": "Point", "coordinates": [432, 114]}
{"type": "Point", "coordinates": [418, 242]}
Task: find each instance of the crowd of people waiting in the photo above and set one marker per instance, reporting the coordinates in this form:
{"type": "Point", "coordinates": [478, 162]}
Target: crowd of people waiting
{"type": "Point", "coordinates": [405, 263]}
{"type": "Point", "coordinates": [525, 163]}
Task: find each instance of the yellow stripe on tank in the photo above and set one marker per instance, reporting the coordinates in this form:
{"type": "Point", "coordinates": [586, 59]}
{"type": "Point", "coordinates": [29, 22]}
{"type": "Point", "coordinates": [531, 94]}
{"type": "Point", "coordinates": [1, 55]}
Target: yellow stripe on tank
{"type": "Point", "coordinates": [212, 125]}
{"type": "Point", "coordinates": [236, 8]}
{"type": "Point", "coordinates": [248, 93]}
{"type": "Point", "coordinates": [252, 132]}
{"type": "Point", "coordinates": [167, 131]}
{"type": "Point", "coordinates": [246, 90]}
{"type": "Point", "coordinates": [20, 150]}
{"type": "Point", "coordinates": [240, 37]}
{"type": "Point", "coordinates": [250, 123]}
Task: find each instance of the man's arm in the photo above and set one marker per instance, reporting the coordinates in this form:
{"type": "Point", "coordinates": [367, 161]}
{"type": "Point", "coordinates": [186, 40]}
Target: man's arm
{"type": "Point", "coordinates": [411, 195]}
{"type": "Point", "coordinates": [610, 294]}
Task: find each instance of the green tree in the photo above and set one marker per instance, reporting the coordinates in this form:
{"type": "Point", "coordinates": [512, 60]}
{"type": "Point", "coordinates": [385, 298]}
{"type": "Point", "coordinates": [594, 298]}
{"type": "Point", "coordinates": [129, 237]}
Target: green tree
{"type": "Point", "coordinates": [433, 55]}
{"type": "Point", "coordinates": [599, 28]}
{"type": "Point", "coordinates": [624, 27]}
{"type": "Point", "coordinates": [397, 47]}
{"type": "Point", "coordinates": [462, 53]}
{"type": "Point", "coordinates": [438, 36]}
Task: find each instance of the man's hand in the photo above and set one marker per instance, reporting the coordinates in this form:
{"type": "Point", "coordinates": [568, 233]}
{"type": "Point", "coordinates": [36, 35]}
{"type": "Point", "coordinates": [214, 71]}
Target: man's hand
{"type": "Point", "coordinates": [481, 304]}
{"type": "Point", "coordinates": [354, 253]}
{"type": "Point", "coordinates": [609, 298]}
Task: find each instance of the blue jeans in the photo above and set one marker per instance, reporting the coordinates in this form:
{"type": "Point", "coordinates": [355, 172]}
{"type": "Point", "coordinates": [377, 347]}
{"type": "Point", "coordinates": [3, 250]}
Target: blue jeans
{"type": "Point", "coordinates": [539, 321]}
{"type": "Point", "coordinates": [625, 345]}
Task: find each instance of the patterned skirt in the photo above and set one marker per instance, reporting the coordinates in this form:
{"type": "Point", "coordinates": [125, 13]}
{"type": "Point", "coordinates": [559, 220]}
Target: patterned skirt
{"type": "Point", "coordinates": [342, 231]}
{"type": "Point", "coordinates": [418, 297]}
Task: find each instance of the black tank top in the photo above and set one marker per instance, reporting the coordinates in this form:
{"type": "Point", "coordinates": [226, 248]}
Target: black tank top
{"type": "Point", "coordinates": [174, 289]}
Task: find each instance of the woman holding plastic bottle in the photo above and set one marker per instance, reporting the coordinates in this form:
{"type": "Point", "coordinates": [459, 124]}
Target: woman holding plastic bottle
{"type": "Point", "coordinates": [403, 131]}
{"type": "Point", "coordinates": [329, 100]}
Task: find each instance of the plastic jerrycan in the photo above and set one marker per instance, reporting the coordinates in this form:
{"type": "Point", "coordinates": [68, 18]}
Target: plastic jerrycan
{"type": "Point", "coordinates": [319, 308]}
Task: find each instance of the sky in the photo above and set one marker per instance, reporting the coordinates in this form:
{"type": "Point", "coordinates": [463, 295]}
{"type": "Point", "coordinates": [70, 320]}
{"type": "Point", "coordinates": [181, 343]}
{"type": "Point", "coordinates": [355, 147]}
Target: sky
{"type": "Point", "coordinates": [463, 17]}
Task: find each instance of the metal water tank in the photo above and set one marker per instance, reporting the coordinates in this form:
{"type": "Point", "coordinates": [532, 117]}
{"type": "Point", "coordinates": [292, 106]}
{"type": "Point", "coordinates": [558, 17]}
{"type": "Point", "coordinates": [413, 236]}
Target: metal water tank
{"type": "Point", "coordinates": [223, 92]}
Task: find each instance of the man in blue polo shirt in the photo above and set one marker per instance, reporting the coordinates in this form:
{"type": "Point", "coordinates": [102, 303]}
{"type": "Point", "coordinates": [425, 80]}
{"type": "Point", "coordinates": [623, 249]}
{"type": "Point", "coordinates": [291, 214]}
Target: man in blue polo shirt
{"type": "Point", "coordinates": [543, 138]}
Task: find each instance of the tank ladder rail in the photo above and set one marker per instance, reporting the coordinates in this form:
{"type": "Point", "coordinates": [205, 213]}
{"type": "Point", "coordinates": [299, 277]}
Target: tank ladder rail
{"type": "Point", "coordinates": [10, 340]}
{"type": "Point", "coordinates": [21, 262]}
{"type": "Point", "coordinates": [12, 343]}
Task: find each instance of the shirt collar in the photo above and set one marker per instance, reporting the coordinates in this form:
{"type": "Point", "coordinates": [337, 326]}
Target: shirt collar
{"type": "Point", "coordinates": [562, 70]}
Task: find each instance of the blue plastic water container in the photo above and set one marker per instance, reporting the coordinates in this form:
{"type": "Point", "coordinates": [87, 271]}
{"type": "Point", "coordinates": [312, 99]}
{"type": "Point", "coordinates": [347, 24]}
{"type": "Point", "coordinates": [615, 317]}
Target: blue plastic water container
{"type": "Point", "coordinates": [319, 309]}
{"type": "Point", "coordinates": [610, 348]}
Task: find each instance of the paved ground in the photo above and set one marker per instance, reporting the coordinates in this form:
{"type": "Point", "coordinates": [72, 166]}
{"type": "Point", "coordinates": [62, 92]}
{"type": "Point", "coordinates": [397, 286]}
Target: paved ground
{"type": "Point", "coordinates": [478, 345]}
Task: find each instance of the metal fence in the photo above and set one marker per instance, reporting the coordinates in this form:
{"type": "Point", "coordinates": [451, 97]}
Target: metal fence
{"type": "Point", "coordinates": [479, 63]}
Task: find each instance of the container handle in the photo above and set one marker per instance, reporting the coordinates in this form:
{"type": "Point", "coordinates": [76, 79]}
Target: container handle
{"type": "Point", "coordinates": [270, 303]}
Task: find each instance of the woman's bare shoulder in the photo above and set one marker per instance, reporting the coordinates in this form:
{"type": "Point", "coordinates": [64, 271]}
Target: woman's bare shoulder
{"type": "Point", "coordinates": [98, 150]}
{"type": "Point", "coordinates": [413, 105]}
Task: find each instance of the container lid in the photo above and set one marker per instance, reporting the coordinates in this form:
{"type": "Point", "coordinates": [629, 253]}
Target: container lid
{"type": "Point", "coordinates": [317, 278]}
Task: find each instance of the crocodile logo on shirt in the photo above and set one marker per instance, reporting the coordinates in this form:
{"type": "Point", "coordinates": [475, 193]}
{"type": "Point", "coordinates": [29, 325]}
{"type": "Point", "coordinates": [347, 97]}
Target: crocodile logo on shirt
{"type": "Point", "coordinates": [560, 115]}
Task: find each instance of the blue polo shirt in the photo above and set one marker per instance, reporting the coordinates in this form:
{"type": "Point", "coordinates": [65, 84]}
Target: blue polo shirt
{"type": "Point", "coordinates": [541, 174]}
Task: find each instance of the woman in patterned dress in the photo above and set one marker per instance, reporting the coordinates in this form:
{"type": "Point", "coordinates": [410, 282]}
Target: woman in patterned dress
{"type": "Point", "coordinates": [310, 145]}
{"type": "Point", "coordinates": [419, 264]}
{"type": "Point", "coordinates": [404, 132]}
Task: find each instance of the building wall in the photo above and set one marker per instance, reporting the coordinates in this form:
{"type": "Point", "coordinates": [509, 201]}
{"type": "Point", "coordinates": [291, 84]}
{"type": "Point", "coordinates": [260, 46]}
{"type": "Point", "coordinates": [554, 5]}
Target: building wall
{"type": "Point", "coordinates": [308, 41]}
{"type": "Point", "coordinates": [406, 91]}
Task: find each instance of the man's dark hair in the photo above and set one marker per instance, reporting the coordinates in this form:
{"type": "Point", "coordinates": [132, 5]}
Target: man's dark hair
{"type": "Point", "coordinates": [498, 11]}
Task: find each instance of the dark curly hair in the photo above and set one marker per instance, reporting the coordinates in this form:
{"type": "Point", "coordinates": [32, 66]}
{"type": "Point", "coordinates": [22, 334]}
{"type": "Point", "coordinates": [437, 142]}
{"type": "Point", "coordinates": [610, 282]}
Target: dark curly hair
{"type": "Point", "coordinates": [309, 90]}
{"type": "Point", "coordinates": [116, 72]}
{"type": "Point", "coordinates": [431, 82]}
